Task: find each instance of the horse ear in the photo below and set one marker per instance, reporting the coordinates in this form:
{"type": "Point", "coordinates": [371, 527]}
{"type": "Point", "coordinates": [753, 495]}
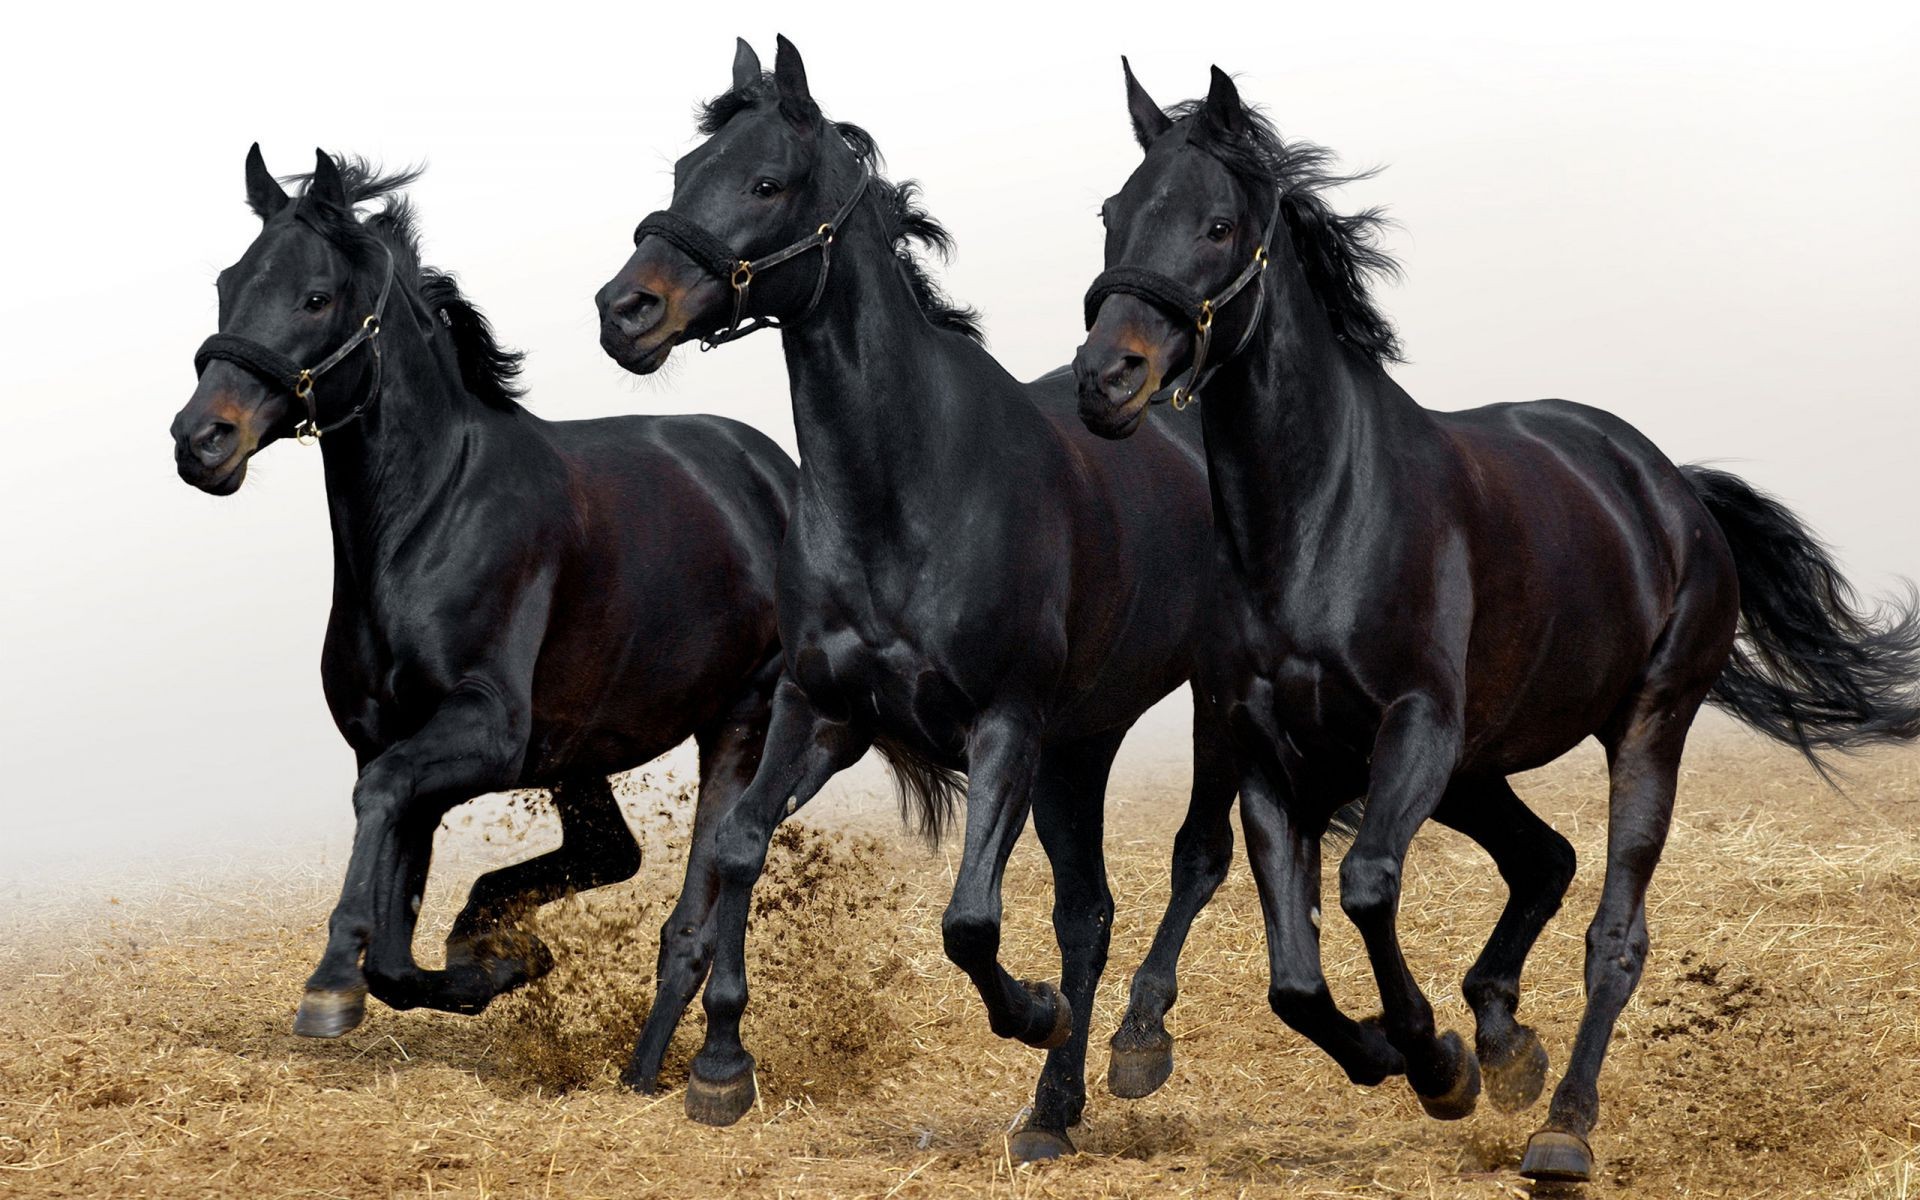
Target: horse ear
{"type": "Point", "coordinates": [746, 66]}
{"type": "Point", "coordinates": [326, 186]}
{"type": "Point", "coordinates": [1223, 103]}
{"type": "Point", "coordinates": [790, 77]}
{"type": "Point", "coordinates": [1149, 120]}
{"type": "Point", "coordinates": [265, 196]}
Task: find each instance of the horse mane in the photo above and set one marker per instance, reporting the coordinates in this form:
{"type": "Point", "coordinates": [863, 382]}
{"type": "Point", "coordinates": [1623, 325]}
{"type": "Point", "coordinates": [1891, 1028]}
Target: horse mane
{"type": "Point", "coordinates": [488, 370]}
{"type": "Point", "coordinates": [1340, 252]}
{"type": "Point", "coordinates": [906, 223]}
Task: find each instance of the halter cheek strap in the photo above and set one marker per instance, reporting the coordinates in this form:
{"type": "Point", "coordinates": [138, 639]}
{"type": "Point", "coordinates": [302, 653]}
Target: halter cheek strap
{"type": "Point", "coordinates": [1170, 295]}
{"type": "Point", "coordinates": [276, 370]}
{"type": "Point", "coordinates": [718, 259]}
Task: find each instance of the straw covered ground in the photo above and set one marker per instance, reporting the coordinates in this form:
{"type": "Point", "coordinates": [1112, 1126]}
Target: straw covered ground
{"type": "Point", "coordinates": [1773, 1048]}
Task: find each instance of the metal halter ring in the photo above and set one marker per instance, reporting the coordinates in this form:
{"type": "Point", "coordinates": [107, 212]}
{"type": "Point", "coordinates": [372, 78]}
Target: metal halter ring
{"type": "Point", "coordinates": [303, 386]}
{"type": "Point", "coordinates": [742, 275]}
{"type": "Point", "coordinates": [1205, 321]}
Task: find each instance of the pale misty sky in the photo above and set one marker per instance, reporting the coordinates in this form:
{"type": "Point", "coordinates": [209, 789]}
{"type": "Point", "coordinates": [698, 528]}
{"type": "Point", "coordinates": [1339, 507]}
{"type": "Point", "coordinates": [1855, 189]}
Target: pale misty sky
{"type": "Point", "coordinates": [1703, 223]}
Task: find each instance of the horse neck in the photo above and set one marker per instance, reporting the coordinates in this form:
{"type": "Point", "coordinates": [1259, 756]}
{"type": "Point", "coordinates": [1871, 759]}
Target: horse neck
{"type": "Point", "coordinates": [871, 421]}
{"type": "Point", "coordinates": [1292, 425]}
{"type": "Point", "coordinates": [386, 470]}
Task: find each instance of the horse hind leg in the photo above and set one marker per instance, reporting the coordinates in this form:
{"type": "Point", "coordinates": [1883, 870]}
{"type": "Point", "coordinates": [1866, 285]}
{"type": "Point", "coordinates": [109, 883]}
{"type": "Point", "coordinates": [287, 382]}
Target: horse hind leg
{"type": "Point", "coordinates": [1643, 772]}
{"type": "Point", "coordinates": [1537, 865]}
{"type": "Point", "coordinates": [1069, 816]}
{"type": "Point", "coordinates": [1142, 1057]}
{"type": "Point", "coordinates": [488, 953]}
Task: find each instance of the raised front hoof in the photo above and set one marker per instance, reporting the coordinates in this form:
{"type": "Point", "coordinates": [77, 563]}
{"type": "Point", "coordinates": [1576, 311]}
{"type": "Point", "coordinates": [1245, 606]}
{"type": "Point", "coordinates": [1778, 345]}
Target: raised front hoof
{"type": "Point", "coordinates": [1556, 1157]}
{"type": "Point", "coordinates": [1062, 1027]}
{"type": "Point", "coordinates": [328, 1014]}
{"type": "Point", "coordinates": [1458, 1100]}
{"type": "Point", "coordinates": [1515, 1079]}
{"type": "Point", "coordinates": [1038, 1145]}
{"type": "Point", "coordinates": [1135, 1072]}
{"type": "Point", "coordinates": [720, 1102]}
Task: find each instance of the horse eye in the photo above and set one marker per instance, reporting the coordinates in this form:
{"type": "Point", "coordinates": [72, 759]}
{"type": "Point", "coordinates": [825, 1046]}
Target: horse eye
{"type": "Point", "coordinates": [317, 301]}
{"type": "Point", "coordinates": [766, 188]}
{"type": "Point", "coordinates": [1219, 230]}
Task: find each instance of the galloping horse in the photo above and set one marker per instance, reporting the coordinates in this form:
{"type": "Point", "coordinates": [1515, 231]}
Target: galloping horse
{"type": "Point", "coordinates": [971, 580]}
{"type": "Point", "coordinates": [1411, 606]}
{"type": "Point", "coordinates": [516, 602]}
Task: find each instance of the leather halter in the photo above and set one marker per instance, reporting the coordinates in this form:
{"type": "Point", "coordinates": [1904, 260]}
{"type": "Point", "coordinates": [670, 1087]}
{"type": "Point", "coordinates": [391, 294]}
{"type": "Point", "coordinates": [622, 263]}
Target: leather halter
{"type": "Point", "coordinates": [276, 370]}
{"type": "Point", "coordinates": [720, 261]}
{"type": "Point", "coordinates": [1170, 295]}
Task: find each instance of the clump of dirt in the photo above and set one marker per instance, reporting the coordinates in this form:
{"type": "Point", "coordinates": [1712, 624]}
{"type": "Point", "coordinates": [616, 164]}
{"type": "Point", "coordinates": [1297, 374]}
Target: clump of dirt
{"type": "Point", "coordinates": [819, 959]}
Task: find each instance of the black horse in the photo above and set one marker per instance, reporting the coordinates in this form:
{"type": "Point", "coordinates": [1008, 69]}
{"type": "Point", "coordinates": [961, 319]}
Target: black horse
{"type": "Point", "coordinates": [516, 602]}
{"type": "Point", "coordinates": [1412, 606]}
{"type": "Point", "coordinates": [971, 580]}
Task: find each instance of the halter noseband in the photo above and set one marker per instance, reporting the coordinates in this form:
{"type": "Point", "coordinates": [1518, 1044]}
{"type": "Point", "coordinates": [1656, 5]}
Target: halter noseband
{"type": "Point", "coordinates": [276, 370]}
{"type": "Point", "coordinates": [1170, 295]}
{"type": "Point", "coordinates": [720, 261]}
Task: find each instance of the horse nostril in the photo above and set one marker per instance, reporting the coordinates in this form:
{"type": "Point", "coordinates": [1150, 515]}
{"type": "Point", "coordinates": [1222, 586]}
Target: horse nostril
{"type": "Point", "coordinates": [635, 305]}
{"type": "Point", "coordinates": [214, 442]}
{"type": "Point", "coordinates": [1123, 379]}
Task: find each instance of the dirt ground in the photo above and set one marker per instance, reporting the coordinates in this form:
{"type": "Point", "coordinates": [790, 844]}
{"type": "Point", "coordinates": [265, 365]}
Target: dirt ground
{"type": "Point", "coordinates": [1773, 1048]}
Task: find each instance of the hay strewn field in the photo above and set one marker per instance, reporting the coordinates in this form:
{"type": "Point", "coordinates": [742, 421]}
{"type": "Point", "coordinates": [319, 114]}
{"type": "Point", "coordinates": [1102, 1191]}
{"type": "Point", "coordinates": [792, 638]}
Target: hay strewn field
{"type": "Point", "coordinates": [1773, 1049]}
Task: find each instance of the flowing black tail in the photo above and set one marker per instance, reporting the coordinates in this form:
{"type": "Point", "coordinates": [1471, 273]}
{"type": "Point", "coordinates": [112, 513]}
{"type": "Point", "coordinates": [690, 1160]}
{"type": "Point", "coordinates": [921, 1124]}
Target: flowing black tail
{"type": "Point", "coordinates": [1810, 667]}
{"type": "Point", "coordinates": [930, 794]}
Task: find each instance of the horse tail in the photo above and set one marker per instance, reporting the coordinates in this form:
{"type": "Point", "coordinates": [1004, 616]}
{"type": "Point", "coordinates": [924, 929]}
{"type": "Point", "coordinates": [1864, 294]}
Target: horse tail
{"type": "Point", "coordinates": [1809, 667]}
{"type": "Point", "coordinates": [930, 794]}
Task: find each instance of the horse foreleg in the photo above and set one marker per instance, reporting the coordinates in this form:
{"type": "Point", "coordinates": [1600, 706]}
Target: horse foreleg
{"type": "Point", "coordinates": [803, 751]}
{"type": "Point", "coordinates": [1284, 853]}
{"type": "Point", "coordinates": [730, 753]}
{"type": "Point", "coordinates": [1202, 851]}
{"type": "Point", "coordinates": [1415, 752]}
{"type": "Point", "coordinates": [472, 744]}
{"type": "Point", "coordinates": [1002, 760]}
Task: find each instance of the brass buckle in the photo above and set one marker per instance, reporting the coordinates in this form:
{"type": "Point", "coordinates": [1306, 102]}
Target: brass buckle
{"type": "Point", "coordinates": [303, 386]}
{"type": "Point", "coordinates": [742, 275]}
{"type": "Point", "coordinates": [1206, 316]}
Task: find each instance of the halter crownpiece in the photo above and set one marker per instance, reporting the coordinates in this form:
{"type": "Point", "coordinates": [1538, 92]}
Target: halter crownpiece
{"type": "Point", "coordinates": [276, 370]}
{"type": "Point", "coordinates": [720, 261]}
{"type": "Point", "coordinates": [1170, 295]}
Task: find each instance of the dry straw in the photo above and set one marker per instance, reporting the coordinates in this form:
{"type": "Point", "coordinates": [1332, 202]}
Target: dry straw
{"type": "Point", "coordinates": [1774, 1048]}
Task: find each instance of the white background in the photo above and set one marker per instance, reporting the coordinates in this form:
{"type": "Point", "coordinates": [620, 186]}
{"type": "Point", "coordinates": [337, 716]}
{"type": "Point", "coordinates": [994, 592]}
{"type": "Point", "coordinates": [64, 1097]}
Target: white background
{"type": "Point", "coordinates": [1702, 221]}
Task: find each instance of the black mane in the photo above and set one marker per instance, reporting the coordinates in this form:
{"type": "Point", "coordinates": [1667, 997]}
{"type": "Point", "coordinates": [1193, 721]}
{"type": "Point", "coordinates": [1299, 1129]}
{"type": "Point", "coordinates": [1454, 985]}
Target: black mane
{"type": "Point", "coordinates": [1340, 252]}
{"type": "Point", "coordinates": [488, 370]}
{"type": "Point", "coordinates": [906, 223]}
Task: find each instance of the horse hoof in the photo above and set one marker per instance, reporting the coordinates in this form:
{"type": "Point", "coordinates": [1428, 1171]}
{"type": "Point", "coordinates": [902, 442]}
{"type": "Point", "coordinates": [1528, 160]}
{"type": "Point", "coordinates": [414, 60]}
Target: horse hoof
{"type": "Point", "coordinates": [1556, 1157]}
{"type": "Point", "coordinates": [1134, 1072]}
{"type": "Point", "coordinates": [510, 958]}
{"type": "Point", "coordinates": [721, 1102]}
{"type": "Point", "coordinates": [1062, 1017]}
{"type": "Point", "coordinates": [327, 1014]}
{"type": "Point", "coordinates": [1457, 1101]}
{"type": "Point", "coordinates": [1514, 1080]}
{"type": "Point", "coordinates": [1038, 1145]}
